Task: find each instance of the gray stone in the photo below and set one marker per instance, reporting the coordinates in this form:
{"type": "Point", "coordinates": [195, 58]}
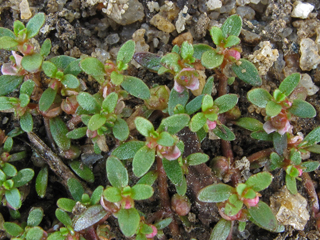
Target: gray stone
{"type": "Point", "coordinates": [246, 12]}
{"type": "Point", "coordinates": [112, 38]}
{"type": "Point", "coordinates": [309, 54]}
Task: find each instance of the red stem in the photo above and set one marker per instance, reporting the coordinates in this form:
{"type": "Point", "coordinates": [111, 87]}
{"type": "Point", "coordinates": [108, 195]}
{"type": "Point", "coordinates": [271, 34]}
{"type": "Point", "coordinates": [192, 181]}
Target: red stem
{"type": "Point", "coordinates": [165, 199]}
{"type": "Point", "coordinates": [261, 154]}
{"type": "Point", "coordinates": [309, 186]}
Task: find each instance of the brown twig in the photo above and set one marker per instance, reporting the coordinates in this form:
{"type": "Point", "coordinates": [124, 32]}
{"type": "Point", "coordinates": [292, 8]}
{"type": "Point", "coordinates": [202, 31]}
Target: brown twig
{"type": "Point", "coordinates": [261, 154]}
{"type": "Point", "coordinates": [309, 186]}
{"type": "Point", "coordinates": [54, 162]}
{"type": "Point", "coordinates": [165, 199]}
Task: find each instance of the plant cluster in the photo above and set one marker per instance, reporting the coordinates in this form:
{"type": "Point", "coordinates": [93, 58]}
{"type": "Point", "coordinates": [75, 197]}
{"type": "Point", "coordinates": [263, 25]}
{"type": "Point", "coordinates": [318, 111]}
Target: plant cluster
{"type": "Point", "coordinates": [104, 114]}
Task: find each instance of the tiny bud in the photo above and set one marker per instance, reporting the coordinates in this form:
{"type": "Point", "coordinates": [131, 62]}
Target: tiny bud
{"type": "Point", "coordinates": [154, 233]}
{"type": "Point", "coordinates": [159, 98]}
{"type": "Point", "coordinates": [69, 105]}
{"type": "Point", "coordinates": [220, 166]}
{"type": "Point", "coordinates": [252, 202]}
{"type": "Point", "coordinates": [180, 204]}
{"type": "Point", "coordinates": [233, 114]}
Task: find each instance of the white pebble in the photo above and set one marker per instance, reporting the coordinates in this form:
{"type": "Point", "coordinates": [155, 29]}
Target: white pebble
{"type": "Point", "coordinates": [302, 10]}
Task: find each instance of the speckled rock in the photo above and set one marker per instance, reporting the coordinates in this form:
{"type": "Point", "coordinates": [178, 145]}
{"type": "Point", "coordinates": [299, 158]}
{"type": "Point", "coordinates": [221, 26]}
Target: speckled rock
{"type": "Point", "coordinates": [182, 18]}
{"type": "Point", "coordinates": [243, 2]}
{"type": "Point", "coordinates": [169, 10]}
{"type": "Point", "coordinates": [213, 4]}
{"type": "Point", "coordinates": [301, 10]}
{"type": "Point", "coordinates": [162, 23]}
{"type": "Point", "coordinates": [153, 6]}
{"type": "Point", "coordinates": [25, 10]}
{"type": "Point", "coordinates": [309, 54]}
{"type": "Point", "coordinates": [306, 81]}
{"type": "Point", "coordinates": [306, 28]}
{"type": "Point", "coordinates": [290, 209]}
{"type": "Point", "coordinates": [246, 12]}
{"type": "Point", "coordinates": [125, 12]}
{"type": "Point", "coordinates": [250, 37]}
{"type": "Point", "coordinates": [202, 26]}
{"type": "Point", "coordinates": [264, 58]}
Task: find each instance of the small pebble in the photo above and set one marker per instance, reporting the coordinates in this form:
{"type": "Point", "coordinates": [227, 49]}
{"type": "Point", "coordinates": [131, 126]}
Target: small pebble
{"type": "Point", "coordinates": [302, 10]}
{"type": "Point", "coordinates": [112, 38]}
{"type": "Point", "coordinates": [309, 54]}
{"type": "Point", "coordinates": [214, 4]}
{"type": "Point", "coordinates": [246, 12]}
{"type": "Point", "coordinates": [250, 37]}
{"type": "Point", "coordinates": [162, 23]}
{"type": "Point", "coordinates": [183, 37]}
{"type": "Point", "coordinates": [25, 10]}
{"type": "Point", "coordinates": [306, 81]}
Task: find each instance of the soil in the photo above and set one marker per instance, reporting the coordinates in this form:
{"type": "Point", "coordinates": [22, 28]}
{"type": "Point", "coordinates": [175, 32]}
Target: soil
{"type": "Point", "coordinates": [78, 29]}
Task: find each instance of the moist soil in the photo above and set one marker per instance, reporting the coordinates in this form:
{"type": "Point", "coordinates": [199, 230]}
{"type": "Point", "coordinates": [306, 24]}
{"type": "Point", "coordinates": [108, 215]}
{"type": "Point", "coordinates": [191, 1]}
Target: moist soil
{"type": "Point", "coordinates": [78, 29]}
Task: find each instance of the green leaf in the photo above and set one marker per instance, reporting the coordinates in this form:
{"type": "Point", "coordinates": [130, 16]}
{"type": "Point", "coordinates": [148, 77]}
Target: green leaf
{"type": "Point", "coordinates": [35, 216]}
{"type": "Point", "coordinates": [126, 52]}
{"type": "Point", "coordinates": [32, 63]}
{"type": "Point", "coordinates": [127, 150]}
{"type": "Point", "coordinates": [82, 171]}
{"type": "Point", "coordinates": [175, 123]}
{"type": "Point", "coordinates": [116, 78]}
{"type": "Point", "coordinates": [163, 223]}
{"type": "Point", "coordinates": [216, 35]}
{"type": "Point", "coordinates": [88, 102]}
{"type": "Point", "coordinates": [96, 195]}
{"type": "Point", "coordinates": [224, 133]}
{"type": "Point", "coordinates": [8, 145]}
{"type": "Point", "coordinates": [144, 126]}
{"type": "Point", "coordinates": [6, 103]}
{"type": "Point", "coordinates": [70, 81]}
{"type": "Point", "coordinates": [13, 197]}
{"type": "Point", "coordinates": [27, 87]}
{"type": "Point", "coordinates": [215, 193]}
{"type": "Point", "coordinates": [136, 87]}
{"type": "Point", "coordinates": [90, 217]}
{"type": "Point", "coordinates": [310, 166]}
{"type": "Point", "coordinates": [315, 149]}
{"type": "Point", "coordinates": [199, 49]}
{"type": "Point", "coordinates": [47, 98]}
{"type": "Point", "coordinates": [313, 137]}
{"type": "Point", "coordinates": [232, 26]}
{"type": "Point", "coordinates": [259, 181]}
{"type": "Point", "coordinates": [273, 109]}
{"type": "Point", "coordinates": [62, 62]}
{"type": "Point", "coordinates": [95, 68]}
{"type": "Point", "coordinates": [302, 109]}
{"type": "Point", "coordinates": [173, 171]}
{"type": "Point", "coordinates": [276, 161]}
{"type": "Point", "coordinates": [186, 50]}
{"type": "Point", "coordinates": [110, 102]}
{"type": "Point", "coordinates": [197, 122]}
{"type": "Point", "coordinates": [289, 83]}
{"type": "Point", "coordinates": [149, 178]}
{"type": "Point", "coordinates": [295, 157]}
{"type": "Point", "coordinates": [63, 217]}
{"type": "Point", "coordinates": [35, 233]}
{"type": "Point", "coordinates": [24, 100]}
{"type": "Point", "coordinates": [9, 83]}
{"type": "Point", "coordinates": [42, 182]}
{"type": "Point", "coordinates": [129, 220]}
{"type": "Point", "coordinates": [141, 191]}
{"type": "Point", "coordinates": [117, 174]}
{"type": "Point", "coordinates": [262, 135]}
{"type": "Point", "coordinates": [77, 133]}
{"type": "Point", "coordinates": [207, 102]}
{"type": "Point", "coordinates": [247, 72]}
{"type": "Point", "coordinates": [262, 216]}
{"type": "Point", "coordinates": [279, 142]}
{"type": "Point", "coordinates": [23, 177]}
{"type": "Point", "coordinates": [170, 61]}
{"type": "Point", "coordinates": [143, 160]}
{"type": "Point", "coordinates": [148, 60]}
{"type": "Point", "coordinates": [121, 129]}
{"type": "Point", "coordinates": [194, 105]}
{"type": "Point", "coordinates": [6, 32]}
{"type": "Point", "coordinates": [182, 188]}
{"type": "Point", "coordinates": [45, 48]}
{"type": "Point", "coordinates": [73, 68]}
{"type": "Point", "coordinates": [233, 206]}
{"type": "Point", "coordinates": [176, 98]}
{"type": "Point", "coordinates": [18, 27]}
{"type": "Point", "coordinates": [291, 184]}
{"type": "Point", "coordinates": [66, 204]}
{"type": "Point", "coordinates": [250, 124]}
{"type": "Point", "coordinates": [49, 69]}
{"type": "Point", "coordinates": [221, 230]}
{"type": "Point", "coordinates": [208, 86]}
{"type": "Point", "coordinates": [8, 43]}
{"type": "Point", "coordinates": [56, 236]}
{"type": "Point", "coordinates": [112, 194]}
{"type": "Point", "coordinates": [26, 122]}
{"type": "Point", "coordinates": [75, 189]}
{"type": "Point", "coordinates": [232, 41]}
{"type": "Point", "coordinates": [9, 169]}
{"type": "Point", "coordinates": [259, 97]}
{"type": "Point", "coordinates": [197, 158]}
{"type": "Point", "coordinates": [226, 102]}
{"type": "Point", "coordinates": [96, 122]}
{"type": "Point", "coordinates": [34, 25]}
{"type": "Point", "coordinates": [165, 139]}
{"type": "Point", "coordinates": [12, 228]}
{"type": "Point", "coordinates": [59, 131]}
{"type": "Point", "coordinates": [211, 59]}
